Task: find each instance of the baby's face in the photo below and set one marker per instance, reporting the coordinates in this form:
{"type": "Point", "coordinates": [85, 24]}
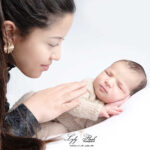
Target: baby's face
{"type": "Point", "coordinates": [115, 83]}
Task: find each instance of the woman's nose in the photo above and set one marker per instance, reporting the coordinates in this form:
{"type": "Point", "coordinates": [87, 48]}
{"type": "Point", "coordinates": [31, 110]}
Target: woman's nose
{"type": "Point", "coordinates": [56, 54]}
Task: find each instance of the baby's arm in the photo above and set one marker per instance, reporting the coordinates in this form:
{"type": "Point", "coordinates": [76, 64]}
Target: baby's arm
{"type": "Point", "coordinates": [87, 109]}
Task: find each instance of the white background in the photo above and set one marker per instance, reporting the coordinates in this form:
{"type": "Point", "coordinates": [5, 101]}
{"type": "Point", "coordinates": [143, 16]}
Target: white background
{"type": "Point", "coordinates": [103, 31]}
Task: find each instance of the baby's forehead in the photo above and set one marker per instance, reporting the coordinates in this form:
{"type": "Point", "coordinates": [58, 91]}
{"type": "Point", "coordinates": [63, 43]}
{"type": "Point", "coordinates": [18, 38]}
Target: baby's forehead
{"type": "Point", "coordinates": [125, 73]}
{"type": "Point", "coordinates": [119, 66]}
{"type": "Point", "coordinates": [120, 63]}
{"type": "Point", "coordinates": [123, 68]}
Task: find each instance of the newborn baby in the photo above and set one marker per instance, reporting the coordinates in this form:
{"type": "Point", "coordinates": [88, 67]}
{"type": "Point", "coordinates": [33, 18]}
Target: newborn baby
{"type": "Point", "coordinates": [104, 95]}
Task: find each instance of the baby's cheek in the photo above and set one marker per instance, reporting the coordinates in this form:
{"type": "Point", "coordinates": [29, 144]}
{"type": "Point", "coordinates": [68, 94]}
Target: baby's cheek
{"type": "Point", "coordinates": [115, 95]}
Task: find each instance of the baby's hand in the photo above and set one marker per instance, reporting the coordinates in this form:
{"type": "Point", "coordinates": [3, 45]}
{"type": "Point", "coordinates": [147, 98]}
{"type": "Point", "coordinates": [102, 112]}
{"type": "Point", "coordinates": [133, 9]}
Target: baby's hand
{"type": "Point", "coordinates": [110, 110]}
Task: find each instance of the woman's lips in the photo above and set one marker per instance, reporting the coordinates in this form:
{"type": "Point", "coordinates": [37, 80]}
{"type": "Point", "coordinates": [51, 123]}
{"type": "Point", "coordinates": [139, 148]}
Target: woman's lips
{"type": "Point", "coordinates": [103, 89]}
{"type": "Point", "coordinates": [45, 67]}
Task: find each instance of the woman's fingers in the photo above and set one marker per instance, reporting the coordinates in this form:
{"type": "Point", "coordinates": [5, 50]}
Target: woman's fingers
{"type": "Point", "coordinates": [67, 87]}
{"type": "Point", "coordinates": [70, 105]}
{"type": "Point", "coordinates": [49, 103]}
{"type": "Point", "coordinates": [73, 95]}
{"type": "Point", "coordinates": [66, 90]}
{"type": "Point", "coordinates": [73, 86]}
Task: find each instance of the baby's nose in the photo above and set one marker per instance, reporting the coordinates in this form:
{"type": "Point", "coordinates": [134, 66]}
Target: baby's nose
{"type": "Point", "coordinates": [109, 83]}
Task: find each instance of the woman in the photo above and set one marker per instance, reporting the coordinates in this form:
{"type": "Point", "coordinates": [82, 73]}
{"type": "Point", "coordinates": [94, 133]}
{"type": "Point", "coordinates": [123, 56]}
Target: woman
{"type": "Point", "coordinates": [30, 38]}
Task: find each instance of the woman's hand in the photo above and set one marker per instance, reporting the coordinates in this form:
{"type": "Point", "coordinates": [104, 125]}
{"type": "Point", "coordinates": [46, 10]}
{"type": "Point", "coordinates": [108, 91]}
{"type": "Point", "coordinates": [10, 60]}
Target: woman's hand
{"type": "Point", "coordinates": [49, 103]}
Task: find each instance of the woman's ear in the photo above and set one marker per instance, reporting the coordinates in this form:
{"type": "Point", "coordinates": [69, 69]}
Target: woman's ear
{"type": "Point", "coordinates": [9, 31]}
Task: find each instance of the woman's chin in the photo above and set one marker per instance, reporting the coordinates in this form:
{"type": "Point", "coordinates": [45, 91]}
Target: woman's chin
{"type": "Point", "coordinates": [32, 75]}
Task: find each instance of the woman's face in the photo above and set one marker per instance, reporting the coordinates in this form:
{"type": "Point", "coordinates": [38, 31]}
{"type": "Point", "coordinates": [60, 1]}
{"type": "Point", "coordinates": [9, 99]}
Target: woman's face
{"type": "Point", "coordinates": [40, 47]}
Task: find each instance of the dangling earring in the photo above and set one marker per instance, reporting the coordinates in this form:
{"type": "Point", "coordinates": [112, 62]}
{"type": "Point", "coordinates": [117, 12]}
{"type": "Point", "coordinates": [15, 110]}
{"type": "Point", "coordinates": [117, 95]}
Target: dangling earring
{"type": "Point", "coordinates": [8, 48]}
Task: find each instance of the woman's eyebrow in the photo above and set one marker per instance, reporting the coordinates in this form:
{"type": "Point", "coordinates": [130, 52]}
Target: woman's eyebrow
{"type": "Point", "coordinates": [57, 37]}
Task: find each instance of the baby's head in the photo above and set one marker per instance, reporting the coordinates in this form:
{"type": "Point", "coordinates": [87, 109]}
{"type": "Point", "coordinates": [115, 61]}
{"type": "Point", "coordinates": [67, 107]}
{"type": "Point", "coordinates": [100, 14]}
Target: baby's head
{"type": "Point", "coordinates": [119, 81]}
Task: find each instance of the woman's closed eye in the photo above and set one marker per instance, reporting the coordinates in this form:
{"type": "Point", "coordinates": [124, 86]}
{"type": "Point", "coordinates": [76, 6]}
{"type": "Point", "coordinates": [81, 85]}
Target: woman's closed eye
{"type": "Point", "coordinates": [53, 42]}
{"type": "Point", "coordinates": [53, 45]}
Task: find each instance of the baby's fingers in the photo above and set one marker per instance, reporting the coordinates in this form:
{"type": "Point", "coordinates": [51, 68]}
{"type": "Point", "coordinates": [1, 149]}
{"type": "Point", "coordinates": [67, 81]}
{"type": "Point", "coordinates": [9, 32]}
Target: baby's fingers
{"type": "Point", "coordinates": [118, 110]}
{"type": "Point", "coordinates": [115, 112]}
{"type": "Point", "coordinates": [105, 114]}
